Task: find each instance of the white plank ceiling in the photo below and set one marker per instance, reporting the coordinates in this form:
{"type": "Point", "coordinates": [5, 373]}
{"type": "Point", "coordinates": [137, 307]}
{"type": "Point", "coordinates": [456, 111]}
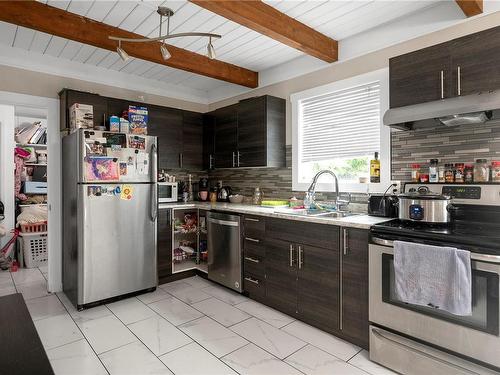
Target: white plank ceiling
{"type": "Point", "coordinates": [239, 45]}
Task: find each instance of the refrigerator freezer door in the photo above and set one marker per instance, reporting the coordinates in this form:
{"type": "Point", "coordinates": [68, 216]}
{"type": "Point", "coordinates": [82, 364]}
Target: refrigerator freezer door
{"type": "Point", "coordinates": [117, 253]}
{"type": "Point", "coordinates": [117, 157]}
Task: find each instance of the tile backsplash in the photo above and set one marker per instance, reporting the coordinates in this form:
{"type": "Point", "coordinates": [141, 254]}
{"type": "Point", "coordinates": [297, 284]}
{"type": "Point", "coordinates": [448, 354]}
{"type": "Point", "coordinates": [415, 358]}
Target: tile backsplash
{"type": "Point", "coordinates": [456, 144]}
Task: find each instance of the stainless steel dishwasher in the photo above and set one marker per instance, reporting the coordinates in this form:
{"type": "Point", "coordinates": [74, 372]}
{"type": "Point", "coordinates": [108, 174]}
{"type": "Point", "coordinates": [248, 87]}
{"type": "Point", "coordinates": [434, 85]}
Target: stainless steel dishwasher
{"type": "Point", "coordinates": [224, 250]}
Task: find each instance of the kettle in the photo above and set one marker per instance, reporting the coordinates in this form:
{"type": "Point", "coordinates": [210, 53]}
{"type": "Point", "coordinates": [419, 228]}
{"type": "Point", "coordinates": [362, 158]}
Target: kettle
{"type": "Point", "coordinates": [223, 194]}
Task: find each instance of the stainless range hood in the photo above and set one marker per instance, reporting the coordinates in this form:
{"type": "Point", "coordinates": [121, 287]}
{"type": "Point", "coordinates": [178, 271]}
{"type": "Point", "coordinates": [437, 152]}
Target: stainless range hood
{"type": "Point", "coordinates": [470, 109]}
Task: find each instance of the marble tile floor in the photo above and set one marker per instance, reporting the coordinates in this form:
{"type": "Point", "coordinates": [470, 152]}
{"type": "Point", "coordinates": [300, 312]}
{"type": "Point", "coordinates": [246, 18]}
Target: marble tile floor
{"type": "Point", "coordinates": [187, 327]}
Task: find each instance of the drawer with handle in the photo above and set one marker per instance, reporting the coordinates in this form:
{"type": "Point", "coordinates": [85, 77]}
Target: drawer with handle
{"type": "Point", "coordinates": [253, 265]}
{"type": "Point", "coordinates": [254, 226]}
{"type": "Point", "coordinates": [254, 246]}
{"type": "Point", "coordinates": [255, 286]}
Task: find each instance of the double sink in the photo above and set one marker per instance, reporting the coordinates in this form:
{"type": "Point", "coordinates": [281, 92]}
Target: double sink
{"type": "Point", "coordinates": [319, 213]}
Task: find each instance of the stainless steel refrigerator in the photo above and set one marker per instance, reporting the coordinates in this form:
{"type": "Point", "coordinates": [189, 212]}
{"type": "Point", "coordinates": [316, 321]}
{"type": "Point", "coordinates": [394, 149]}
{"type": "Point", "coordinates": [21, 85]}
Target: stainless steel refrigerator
{"type": "Point", "coordinates": [109, 215]}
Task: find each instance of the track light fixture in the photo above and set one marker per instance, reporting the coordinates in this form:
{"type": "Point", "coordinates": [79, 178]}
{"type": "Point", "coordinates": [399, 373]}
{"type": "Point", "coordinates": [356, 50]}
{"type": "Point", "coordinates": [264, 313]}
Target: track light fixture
{"type": "Point", "coordinates": [121, 52]}
{"type": "Point", "coordinates": [210, 49]}
{"type": "Point", "coordinates": [165, 53]}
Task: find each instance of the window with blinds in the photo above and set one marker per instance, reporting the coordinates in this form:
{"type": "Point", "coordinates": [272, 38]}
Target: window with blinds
{"type": "Point", "coordinates": [339, 131]}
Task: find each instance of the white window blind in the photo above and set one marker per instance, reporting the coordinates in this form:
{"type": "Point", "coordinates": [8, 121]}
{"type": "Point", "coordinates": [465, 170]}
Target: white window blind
{"type": "Point", "coordinates": [340, 124]}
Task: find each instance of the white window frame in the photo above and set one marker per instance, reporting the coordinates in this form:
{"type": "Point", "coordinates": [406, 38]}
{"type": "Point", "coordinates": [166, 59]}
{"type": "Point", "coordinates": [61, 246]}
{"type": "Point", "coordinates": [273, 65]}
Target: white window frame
{"type": "Point", "coordinates": [325, 184]}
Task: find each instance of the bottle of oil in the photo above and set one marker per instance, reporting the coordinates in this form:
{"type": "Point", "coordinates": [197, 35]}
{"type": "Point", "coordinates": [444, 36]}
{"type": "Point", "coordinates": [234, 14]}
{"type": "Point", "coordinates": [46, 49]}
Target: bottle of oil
{"type": "Point", "coordinates": [375, 169]}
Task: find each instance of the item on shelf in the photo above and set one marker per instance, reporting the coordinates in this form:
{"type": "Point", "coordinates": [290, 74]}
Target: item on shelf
{"type": "Point", "coordinates": [459, 172]}
{"type": "Point", "coordinates": [449, 174]}
{"type": "Point", "coordinates": [34, 187]}
{"type": "Point", "coordinates": [495, 171]}
{"type": "Point", "coordinates": [179, 255]}
{"type": "Point", "coordinates": [481, 171]}
{"type": "Point", "coordinates": [433, 170]}
{"type": "Point", "coordinates": [114, 124]}
{"type": "Point", "coordinates": [20, 155]}
{"type": "Point", "coordinates": [124, 126]}
{"type": "Point", "coordinates": [38, 136]}
{"type": "Point", "coordinates": [375, 169]}
{"type": "Point", "coordinates": [188, 225]}
{"type": "Point", "coordinates": [236, 198]}
{"type": "Point", "coordinates": [41, 156]}
{"type": "Point", "coordinates": [32, 215]}
{"type": "Point", "coordinates": [441, 173]}
{"type": "Point", "coordinates": [257, 196]}
{"type": "Point", "coordinates": [81, 116]}
{"type": "Point", "coordinates": [25, 133]}
{"type": "Point", "coordinates": [468, 173]}
{"type": "Point", "coordinates": [424, 177]}
{"type": "Point", "coordinates": [138, 118]}
{"type": "Point", "coordinates": [415, 172]}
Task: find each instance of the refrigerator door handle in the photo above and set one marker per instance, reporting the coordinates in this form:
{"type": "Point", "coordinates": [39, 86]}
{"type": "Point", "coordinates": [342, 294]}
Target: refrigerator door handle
{"type": "Point", "coordinates": [154, 162]}
{"type": "Point", "coordinates": [154, 203]}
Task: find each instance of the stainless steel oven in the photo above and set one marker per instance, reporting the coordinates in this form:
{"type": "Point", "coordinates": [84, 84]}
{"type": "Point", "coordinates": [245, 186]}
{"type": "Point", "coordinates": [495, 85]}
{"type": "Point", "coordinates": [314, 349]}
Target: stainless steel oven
{"type": "Point", "coordinates": [431, 339]}
{"type": "Point", "coordinates": [167, 192]}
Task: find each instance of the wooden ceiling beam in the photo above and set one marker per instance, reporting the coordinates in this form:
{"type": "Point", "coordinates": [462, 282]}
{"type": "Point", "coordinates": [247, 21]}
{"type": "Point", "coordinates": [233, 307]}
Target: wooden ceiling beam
{"type": "Point", "coordinates": [471, 7]}
{"type": "Point", "coordinates": [40, 17]}
{"type": "Point", "coordinates": [268, 21]}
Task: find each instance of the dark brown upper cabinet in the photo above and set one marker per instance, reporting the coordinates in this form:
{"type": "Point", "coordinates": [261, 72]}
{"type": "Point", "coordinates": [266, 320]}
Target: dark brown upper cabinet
{"type": "Point", "coordinates": [261, 132]}
{"type": "Point", "coordinates": [226, 136]}
{"type": "Point", "coordinates": [192, 141]}
{"type": "Point", "coordinates": [462, 66]}
{"type": "Point", "coordinates": [70, 97]}
{"type": "Point", "coordinates": [420, 76]}
{"type": "Point", "coordinates": [250, 133]}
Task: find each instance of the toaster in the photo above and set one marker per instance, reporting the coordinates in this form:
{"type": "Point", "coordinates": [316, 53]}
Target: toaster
{"type": "Point", "coordinates": [383, 205]}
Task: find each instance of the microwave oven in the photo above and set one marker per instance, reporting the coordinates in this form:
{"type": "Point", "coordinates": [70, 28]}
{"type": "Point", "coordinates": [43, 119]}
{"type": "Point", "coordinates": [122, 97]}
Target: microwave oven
{"type": "Point", "coordinates": [167, 192]}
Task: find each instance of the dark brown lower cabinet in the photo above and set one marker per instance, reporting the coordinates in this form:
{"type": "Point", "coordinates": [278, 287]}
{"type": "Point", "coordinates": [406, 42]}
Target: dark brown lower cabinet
{"type": "Point", "coordinates": [164, 243]}
{"type": "Point", "coordinates": [354, 289]}
{"type": "Point", "coordinates": [318, 285]}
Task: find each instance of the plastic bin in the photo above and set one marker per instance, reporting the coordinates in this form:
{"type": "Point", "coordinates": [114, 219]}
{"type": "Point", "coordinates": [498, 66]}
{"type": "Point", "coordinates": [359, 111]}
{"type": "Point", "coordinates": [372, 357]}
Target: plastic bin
{"type": "Point", "coordinates": [39, 227]}
{"type": "Point", "coordinates": [34, 248]}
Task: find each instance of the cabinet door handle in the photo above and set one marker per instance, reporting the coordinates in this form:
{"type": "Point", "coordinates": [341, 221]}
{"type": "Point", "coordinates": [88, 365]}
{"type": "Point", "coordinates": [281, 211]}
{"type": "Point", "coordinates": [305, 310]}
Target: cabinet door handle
{"type": "Point", "coordinates": [253, 281]}
{"type": "Point", "coordinates": [252, 260]}
{"type": "Point", "coordinates": [459, 83]}
{"type": "Point", "coordinates": [301, 262]}
{"type": "Point", "coordinates": [291, 255]}
{"type": "Point", "coordinates": [180, 159]}
{"type": "Point", "coordinates": [252, 219]}
{"type": "Point", "coordinates": [252, 239]}
{"type": "Point", "coordinates": [238, 158]}
{"type": "Point", "coordinates": [442, 84]}
{"type": "Point", "coordinates": [346, 240]}
{"type": "Point", "coordinates": [233, 159]}
{"type": "Point", "coordinates": [210, 160]}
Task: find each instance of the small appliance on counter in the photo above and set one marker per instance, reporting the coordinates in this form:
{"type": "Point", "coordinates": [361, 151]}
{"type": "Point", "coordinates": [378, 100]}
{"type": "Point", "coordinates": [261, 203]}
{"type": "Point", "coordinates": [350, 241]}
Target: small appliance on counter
{"type": "Point", "coordinates": [203, 189]}
{"type": "Point", "coordinates": [383, 205]}
{"type": "Point", "coordinates": [167, 192]}
{"type": "Point", "coordinates": [223, 192]}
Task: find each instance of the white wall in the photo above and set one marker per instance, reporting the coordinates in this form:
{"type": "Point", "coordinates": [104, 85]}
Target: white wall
{"type": "Point", "coordinates": [9, 102]}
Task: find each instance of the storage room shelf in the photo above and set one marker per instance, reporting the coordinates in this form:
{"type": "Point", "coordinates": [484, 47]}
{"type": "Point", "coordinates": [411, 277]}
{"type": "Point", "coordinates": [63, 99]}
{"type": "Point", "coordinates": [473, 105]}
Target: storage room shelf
{"type": "Point", "coordinates": [31, 145]}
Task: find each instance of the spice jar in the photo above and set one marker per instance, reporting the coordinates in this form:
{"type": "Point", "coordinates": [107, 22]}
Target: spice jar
{"type": "Point", "coordinates": [459, 172]}
{"type": "Point", "coordinates": [433, 170]}
{"type": "Point", "coordinates": [449, 173]}
{"type": "Point", "coordinates": [441, 173]}
{"type": "Point", "coordinates": [424, 178]}
{"type": "Point", "coordinates": [469, 173]}
{"type": "Point", "coordinates": [415, 172]}
{"type": "Point", "coordinates": [495, 171]}
{"type": "Point", "coordinates": [481, 171]}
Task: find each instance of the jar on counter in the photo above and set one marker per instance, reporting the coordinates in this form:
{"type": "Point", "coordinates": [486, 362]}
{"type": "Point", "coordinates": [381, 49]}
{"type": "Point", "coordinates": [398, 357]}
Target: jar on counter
{"type": "Point", "coordinates": [468, 173]}
{"type": "Point", "coordinates": [433, 170]}
{"type": "Point", "coordinates": [495, 171]}
{"type": "Point", "coordinates": [441, 173]}
{"type": "Point", "coordinates": [481, 171]}
{"type": "Point", "coordinates": [459, 172]}
{"type": "Point", "coordinates": [449, 173]}
{"type": "Point", "coordinates": [415, 173]}
{"type": "Point", "coordinates": [424, 178]}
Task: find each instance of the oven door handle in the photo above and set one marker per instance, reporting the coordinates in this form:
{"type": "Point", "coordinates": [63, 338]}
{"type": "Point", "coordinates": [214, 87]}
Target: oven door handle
{"type": "Point", "coordinates": [474, 256]}
{"type": "Point", "coordinates": [392, 342]}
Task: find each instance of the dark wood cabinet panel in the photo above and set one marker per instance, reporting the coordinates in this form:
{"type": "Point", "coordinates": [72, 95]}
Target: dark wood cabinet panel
{"type": "Point", "coordinates": [355, 286]}
{"type": "Point", "coordinates": [477, 56]}
{"type": "Point", "coordinates": [98, 103]}
{"type": "Point", "coordinates": [252, 135]}
{"type": "Point", "coordinates": [281, 276]}
{"type": "Point", "coordinates": [319, 235]}
{"type": "Point", "coordinates": [318, 286]}
{"type": "Point", "coordinates": [416, 76]}
{"type": "Point", "coordinates": [226, 136]}
{"type": "Point", "coordinates": [164, 243]}
{"type": "Point", "coordinates": [166, 124]}
{"type": "Point", "coordinates": [192, 141]}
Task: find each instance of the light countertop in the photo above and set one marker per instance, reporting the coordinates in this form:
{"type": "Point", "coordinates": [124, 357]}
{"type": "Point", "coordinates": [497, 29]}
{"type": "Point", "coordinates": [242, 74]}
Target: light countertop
{"type": "Point", "coordinates": [361, 221]}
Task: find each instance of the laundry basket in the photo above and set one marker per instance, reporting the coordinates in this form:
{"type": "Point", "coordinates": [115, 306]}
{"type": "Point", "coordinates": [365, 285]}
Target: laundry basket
{"type": "Point", "coordinates": [34, 248]}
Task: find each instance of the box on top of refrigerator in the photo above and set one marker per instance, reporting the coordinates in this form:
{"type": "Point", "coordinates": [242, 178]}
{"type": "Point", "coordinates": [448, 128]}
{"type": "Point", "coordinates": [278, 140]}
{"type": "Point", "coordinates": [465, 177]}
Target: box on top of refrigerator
{"type": "Point", "coordinates": [81, 116]}
{"type": "Point", "coordinates": [138, 119]}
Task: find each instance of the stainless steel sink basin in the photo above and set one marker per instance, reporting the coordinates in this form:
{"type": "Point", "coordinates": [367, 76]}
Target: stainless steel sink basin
{"type": "Point", "coordinates": [321, 213]}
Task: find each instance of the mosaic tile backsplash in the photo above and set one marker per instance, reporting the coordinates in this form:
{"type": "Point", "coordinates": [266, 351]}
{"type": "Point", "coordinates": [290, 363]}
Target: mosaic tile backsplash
{"type": "Point", "coordinates": [456, 144]}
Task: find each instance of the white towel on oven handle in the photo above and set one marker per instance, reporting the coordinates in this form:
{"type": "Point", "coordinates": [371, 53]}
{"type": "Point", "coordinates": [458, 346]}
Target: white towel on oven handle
{"type": "Point", "coordinates": [433, 276]}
